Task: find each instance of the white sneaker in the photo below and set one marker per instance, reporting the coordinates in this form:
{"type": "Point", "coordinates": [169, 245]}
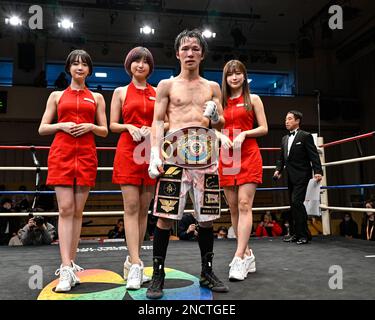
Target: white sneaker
{"type": "Point", "coordinates": [134, 280]}
{"type": "Point", "coordinates": [249, 262]}
{"type": "Point", "coordinates": [127, 266]}
{"type": "Point", "coordinates": [66, 281]}
{"type": "Point", "coordinates": [237, 269]}
{"type": "Point", "coordinates": [76, 268]}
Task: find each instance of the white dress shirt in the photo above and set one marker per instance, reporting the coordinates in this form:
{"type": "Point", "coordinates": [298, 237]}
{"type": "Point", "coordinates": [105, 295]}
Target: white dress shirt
{"type": "Point", "coordinates": [291, 139]}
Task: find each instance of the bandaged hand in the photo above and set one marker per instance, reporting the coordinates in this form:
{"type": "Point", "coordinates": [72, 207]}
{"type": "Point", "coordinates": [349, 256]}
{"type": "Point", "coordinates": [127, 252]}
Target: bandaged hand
{"type": "Point", "coordinates": [211, 111]}
{"type": "Point", "coordinates": [155, 167]}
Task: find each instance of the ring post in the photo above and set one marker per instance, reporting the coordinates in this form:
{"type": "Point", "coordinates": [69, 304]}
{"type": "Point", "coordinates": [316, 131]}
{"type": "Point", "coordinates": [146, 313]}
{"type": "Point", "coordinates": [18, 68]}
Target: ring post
{"type": "Point", "coordinates": [324, 192]}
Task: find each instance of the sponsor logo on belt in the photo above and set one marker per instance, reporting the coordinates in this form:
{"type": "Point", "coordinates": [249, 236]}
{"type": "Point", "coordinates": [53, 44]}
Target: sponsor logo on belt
{"type": "Point", "coordinates": [211, 198]}
{"type": "Point", "coordinates": [167, 206]}
{"type": "Point", "coordinates": [211, 211]}
{"type": "Point", "coordinates": [211, 181]}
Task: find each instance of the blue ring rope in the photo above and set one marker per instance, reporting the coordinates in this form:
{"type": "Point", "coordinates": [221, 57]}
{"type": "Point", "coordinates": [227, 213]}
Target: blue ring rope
{"type": "Point", "coordinates": [109, 192]}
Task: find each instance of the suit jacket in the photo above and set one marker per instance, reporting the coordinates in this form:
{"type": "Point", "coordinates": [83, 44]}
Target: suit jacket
{"type": "Point", "coordinates": [302, 160]}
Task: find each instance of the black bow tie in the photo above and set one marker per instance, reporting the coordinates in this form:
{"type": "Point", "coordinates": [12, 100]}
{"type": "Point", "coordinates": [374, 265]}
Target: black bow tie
{"type": "Point", "coordinates": [292, 133]}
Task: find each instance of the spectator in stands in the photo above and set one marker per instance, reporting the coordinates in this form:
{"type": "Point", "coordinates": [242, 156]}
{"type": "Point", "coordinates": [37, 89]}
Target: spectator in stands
{"type": "Point", "coordinates": [348, 227]}
{"type": "Point", "coordinates": [37, 232]}
{"type": "Point", "coordinates": [16, 239]}
{"type": "Point", "coordinates": [61, 82]}
{"type": "Point", "coordinates": [222, 232]}
{"type": "Point", "coordinates": [368, 223]}
{"type": "Point", "coordinates": [21, 202]}
{"type": "Point", "coordinates": [8, 225]}
{"type": "Point", "coordinates": [118, 232]}
{"type": "Point", "coordinates": [268, 227]}
{"type": "Point", "coordinates": [188, 227]}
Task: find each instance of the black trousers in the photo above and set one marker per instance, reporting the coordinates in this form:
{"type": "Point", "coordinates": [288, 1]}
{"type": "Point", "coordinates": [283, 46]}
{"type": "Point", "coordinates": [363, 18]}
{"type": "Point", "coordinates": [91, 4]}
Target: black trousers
{"type": "Point", "coordinates": [298, 223]}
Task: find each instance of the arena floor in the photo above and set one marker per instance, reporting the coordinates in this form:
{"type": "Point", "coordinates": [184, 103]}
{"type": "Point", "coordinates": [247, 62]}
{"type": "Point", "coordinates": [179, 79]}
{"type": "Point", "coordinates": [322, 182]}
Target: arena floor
{"type": "Point", "coordinates": [284, 271]}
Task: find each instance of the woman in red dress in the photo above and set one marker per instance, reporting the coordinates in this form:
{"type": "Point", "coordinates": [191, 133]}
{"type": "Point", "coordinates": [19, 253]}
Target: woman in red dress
{"type": "Point", "coordinates": [240, 166]}
{"type": "Point", "coordinates": [134, 105]}
{"type": "Point", "coordinates": [72, 160]}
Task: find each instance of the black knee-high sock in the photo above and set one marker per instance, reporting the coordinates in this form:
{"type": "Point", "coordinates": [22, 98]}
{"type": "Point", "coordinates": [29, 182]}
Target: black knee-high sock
{"type": "Point", "coordinates": [206, 240]}
{"type": "Point", "coordinates": [160, 243]}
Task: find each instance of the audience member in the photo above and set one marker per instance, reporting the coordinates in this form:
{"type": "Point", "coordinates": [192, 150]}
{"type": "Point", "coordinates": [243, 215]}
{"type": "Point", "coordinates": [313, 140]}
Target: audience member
{"type": "Point", "coordinates": [268, 227]}
{"type": "Point", "coordinates": [22, 201]}
{"type": "Point", "coordinates": [368, 223]}
{"type": "Point", "coordinates": [8, 225]}
{"type": "Point", "coordinates": [188, 227]}
{"type": "Point", "coordinates": [348, 227]}
{"type": "Point", "coordinates": [37, 232]}
{"type": "Point", "coordinates": [16, 239]}
{"type": "Point", "coordinates": [222, 232]}
{"type": "Point", "coordinates": [118, 232]}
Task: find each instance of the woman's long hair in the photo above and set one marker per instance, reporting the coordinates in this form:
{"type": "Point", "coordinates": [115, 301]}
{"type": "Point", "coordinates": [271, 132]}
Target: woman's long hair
{"type": "Point", "coordinates": [230, 67]}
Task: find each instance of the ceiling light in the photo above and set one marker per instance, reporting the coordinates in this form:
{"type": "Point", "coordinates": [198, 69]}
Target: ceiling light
{"type": "Point", "coordinates": [65, 24]}
{"type": "Point", "coordinates": [14, 21]}
{"type": "Point", "coordinates": [208, 34]}
{"type": "Point", "coordinates": [147, 30]}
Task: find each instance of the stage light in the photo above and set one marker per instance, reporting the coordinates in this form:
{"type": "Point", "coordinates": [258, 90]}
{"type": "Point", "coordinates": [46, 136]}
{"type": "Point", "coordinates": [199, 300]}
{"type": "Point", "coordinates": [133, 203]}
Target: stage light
{"type": "Point", "coordinates": [208, 34]}
{"type": "Point", "coordinates": [65, 24]}
{"type": "Point", "coordinates": [147, 30]}
{"type": "Point", "coordinates": [14, 21]}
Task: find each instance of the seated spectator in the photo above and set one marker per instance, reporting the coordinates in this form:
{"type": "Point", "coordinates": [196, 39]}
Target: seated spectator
{"type": "Point", "coordinates": [37, 232]}
{"type": "Point", "coordinates": [61, 82]}
{"type": "Point", "coordinates": [268, 227]}
{"type": "Point", "coordinates": [188, 227]}
{"type": "Point", "coordinates": [22, 201]}
{"type": "Point", "coordinates": [16, 239]}
{"type": "Point", "coordinates": [118, 232]}
{"type": "Point", "coordinates": [348, 227]}
{"type": "Point", "coordinates": [222, 232]}
{"type": "Point", "coordinates": [369, 222]}
{"type": "Point", "coordinates": [8, 225]}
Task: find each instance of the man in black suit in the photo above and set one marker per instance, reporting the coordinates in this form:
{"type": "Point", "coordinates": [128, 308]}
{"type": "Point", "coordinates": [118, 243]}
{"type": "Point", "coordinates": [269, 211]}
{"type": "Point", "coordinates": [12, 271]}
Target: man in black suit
{"type": "Point", "coordinates": [300, 157]}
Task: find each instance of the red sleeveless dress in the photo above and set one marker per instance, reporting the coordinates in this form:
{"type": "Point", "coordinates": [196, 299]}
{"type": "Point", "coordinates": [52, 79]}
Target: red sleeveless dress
{"type": "Point", "coordinates": [73, 160]}
{"type": "Point", "coordinates": [131, 160]}
{"type": "Point", "coordinates": [249, 168]}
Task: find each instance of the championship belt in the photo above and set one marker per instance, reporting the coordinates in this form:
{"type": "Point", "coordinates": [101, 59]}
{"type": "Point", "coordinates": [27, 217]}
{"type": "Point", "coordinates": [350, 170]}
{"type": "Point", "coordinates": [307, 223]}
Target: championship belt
{"type": "Point", "coordinates": [190, 147]}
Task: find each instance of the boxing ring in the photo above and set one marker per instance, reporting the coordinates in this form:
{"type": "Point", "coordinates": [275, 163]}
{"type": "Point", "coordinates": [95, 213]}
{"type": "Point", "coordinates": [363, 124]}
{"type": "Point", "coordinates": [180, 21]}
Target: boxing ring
{"type": "Point", "coordinates": [284, 271]}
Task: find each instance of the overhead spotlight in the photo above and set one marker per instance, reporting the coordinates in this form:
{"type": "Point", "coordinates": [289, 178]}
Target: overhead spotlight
{"type": "Point", "coordinates": [147, 30]}
{"type": "Point", "coordinates": [65, 24]}
{"type": "Point", "coordinates": [208, 34]}
{"type": "Point", "coordinates": [13, 21]}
